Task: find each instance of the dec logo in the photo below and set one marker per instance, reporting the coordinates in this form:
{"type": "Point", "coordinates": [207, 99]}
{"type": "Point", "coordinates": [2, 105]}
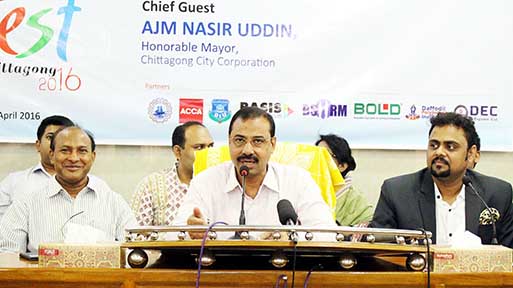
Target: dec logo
{"type": "Point", "coordinates": [15, 18]}
{"type": "Point", "coordinates": [376, 109]}
{"type": "Point", "coordinates": [476, 110]}
{"type": "Point", "coordinates": [191, 110]}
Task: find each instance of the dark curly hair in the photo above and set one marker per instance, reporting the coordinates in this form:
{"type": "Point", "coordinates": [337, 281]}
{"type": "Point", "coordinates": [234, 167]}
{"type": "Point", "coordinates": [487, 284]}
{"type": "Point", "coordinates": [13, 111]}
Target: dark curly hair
{"type": "Point", "coordinates": [460, 121]}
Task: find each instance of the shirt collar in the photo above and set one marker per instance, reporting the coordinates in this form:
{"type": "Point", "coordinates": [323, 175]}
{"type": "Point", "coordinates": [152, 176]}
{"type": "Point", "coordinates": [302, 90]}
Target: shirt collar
{"type": "Point", "coordinates": [40, 169]}
{"type": "Point", "coordinates": [270, 179]}
{"type": "Point", "coordinates": [55, 188]}
{"type": "Point", "coordinates": [176, 179]}
{"type": "Point", "coordinates": [460, 197]}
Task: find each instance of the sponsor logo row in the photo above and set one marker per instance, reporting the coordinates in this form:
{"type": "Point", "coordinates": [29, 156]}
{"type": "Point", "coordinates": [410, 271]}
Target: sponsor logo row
{"type": "Point", "coordinates": [160, 110]}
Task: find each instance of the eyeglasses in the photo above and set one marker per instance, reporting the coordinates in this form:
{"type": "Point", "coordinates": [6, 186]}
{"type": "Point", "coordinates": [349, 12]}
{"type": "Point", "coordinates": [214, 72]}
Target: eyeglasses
{"type": "Point", "coordinates": [256, 142]}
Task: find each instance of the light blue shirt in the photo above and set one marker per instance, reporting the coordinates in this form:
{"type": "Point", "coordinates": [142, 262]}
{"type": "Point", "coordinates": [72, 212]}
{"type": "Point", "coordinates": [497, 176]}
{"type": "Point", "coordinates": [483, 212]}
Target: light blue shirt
{"type": "Point", "coordinates": [40, 215]}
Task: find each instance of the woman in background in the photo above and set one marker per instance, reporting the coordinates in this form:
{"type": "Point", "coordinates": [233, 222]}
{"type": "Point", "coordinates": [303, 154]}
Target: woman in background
{"type": "Point", "coordinates": [352, 207]}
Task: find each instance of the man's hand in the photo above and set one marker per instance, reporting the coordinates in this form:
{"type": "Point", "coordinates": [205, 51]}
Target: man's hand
{"type": "Point", "coordinates": [196, 219]}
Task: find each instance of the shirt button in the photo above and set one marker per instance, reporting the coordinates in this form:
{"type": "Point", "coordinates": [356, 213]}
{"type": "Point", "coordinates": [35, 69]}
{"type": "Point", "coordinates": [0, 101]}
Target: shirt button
{"type": "Point", "coordinates": [450, 234]}
{"type": "Point", "coordinates": [450, 210]}
{"type": "Point", "coordinates": [437, 196]}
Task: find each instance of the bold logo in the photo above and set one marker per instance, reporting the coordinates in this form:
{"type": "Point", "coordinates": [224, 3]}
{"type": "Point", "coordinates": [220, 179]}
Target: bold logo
{"type": "Point", "coordinates": [159, 110]}
{"type": "Point", "coordinates": [412, 115]}
{"type": "Point", "coordinates": [15, 17]}
{"type": "Point", "coordinates": [191, 110]}
{"type": "Point", "coordinates": [220, 111]}
{"type": "Point", "coordinates": [275, 108]}
{"type": "Point", "coordinates": [477, 111]}
{"type": "Point", "coordinates": [376, 109]}
{"type": "Point", "coordinates": [324, 109]}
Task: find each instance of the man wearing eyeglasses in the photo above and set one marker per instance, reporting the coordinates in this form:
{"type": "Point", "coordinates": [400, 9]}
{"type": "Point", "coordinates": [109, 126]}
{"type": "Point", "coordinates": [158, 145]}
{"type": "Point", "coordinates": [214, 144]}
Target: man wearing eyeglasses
{"type": "Point", "coordinates": [215, 194]}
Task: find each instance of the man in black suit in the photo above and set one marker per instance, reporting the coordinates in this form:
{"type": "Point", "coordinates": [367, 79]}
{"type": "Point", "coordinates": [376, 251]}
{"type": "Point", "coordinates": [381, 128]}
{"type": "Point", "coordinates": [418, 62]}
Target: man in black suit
{"type": "Point", "coordinates": [435, 198]}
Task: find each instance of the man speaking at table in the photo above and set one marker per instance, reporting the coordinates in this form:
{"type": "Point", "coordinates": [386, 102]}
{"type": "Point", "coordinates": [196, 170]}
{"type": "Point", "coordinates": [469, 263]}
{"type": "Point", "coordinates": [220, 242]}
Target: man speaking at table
{"type": "Point", "coordinates": [216, 193]}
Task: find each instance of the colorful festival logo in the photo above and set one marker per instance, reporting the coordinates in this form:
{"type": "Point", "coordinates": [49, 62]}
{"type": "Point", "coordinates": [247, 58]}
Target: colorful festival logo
{"type": "Point", "coordinates": [15, 17]}
{"type": "Point", "coordinates": [159, 110]}
{"type": "Point", "coordinates": [220, 110]}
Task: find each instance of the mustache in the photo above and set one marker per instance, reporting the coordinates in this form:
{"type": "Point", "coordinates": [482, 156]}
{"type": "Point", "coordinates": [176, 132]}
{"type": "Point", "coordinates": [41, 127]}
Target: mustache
{"type": "Point", "coordinates": [247, 157]}
{"type": "Point", "coordinates": [440, 159]}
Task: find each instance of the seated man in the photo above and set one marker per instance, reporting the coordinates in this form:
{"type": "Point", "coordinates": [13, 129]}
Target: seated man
{"type": "Point", "coordinates": [36, 176]}
{"type": "Point", "coordinates": [71, 196]}
{"type": "Point", "coordinates": [352, 207]}
{"type": "Point", "coordinates": [215, 194]}
{"type": "Point", "coordinates": [159, 195]}
{"type": "Point", "coordinates": [435, 198]}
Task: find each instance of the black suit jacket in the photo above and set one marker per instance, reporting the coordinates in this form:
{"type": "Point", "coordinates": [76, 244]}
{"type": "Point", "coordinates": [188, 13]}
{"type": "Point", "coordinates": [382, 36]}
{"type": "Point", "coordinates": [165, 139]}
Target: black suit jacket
{"type": "Point", "coordinates": [408, 202]}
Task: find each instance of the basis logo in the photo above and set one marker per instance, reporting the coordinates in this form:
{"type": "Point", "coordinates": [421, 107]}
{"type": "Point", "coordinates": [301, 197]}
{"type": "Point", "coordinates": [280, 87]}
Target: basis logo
{"type": "Point", "coordinates": [277, 109]}
{"type": "Point", "coordinates": [324, 109]}
{"type": "Point", "coordinates": [220, 110]}
{"type": "Point", "coordinates": [159, 110]}
{"type": "Point", "coordinates": [412, 115]}
{"type": "Point", "coordinates": [191, 110]}
{"type": "Point", "coordinates": [478, 112]}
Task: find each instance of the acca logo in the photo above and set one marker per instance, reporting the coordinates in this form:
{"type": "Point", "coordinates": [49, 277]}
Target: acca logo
{"type": "Point", "coordinates": [324, 109]}
{"type": "Point", "coordinates": [191, 110]}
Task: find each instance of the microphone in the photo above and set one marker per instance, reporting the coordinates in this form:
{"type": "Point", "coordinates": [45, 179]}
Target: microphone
{"type": "Point", "coordinates": [288, 217]}
{"type": "Point", "coordinates": [467, 182]}
{"type": "Point", "coordinates": [243, 172]}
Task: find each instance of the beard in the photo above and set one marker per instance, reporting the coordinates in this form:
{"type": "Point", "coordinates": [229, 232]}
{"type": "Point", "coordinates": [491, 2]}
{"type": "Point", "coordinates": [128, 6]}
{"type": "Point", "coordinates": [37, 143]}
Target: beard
{"type": "Point", "coordinates": [440, 174]}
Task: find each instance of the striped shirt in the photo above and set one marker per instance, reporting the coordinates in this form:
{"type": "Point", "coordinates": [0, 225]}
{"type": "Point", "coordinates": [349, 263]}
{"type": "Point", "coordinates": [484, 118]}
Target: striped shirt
{"type": "Point", "coordinates": [40, 215]}
{"type": "Point", "coordinates": [26, 180]}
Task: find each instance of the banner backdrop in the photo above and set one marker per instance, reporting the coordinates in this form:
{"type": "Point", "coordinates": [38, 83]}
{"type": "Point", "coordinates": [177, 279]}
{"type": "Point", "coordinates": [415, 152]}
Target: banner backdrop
{"type": "Point", "coordinates": [371, 71]}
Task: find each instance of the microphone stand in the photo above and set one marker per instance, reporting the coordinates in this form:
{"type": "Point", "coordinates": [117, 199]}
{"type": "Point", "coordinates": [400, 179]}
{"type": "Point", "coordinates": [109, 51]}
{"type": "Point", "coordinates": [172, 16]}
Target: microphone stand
{"type": "Point", "coordinates": [467, 182]}
{"type": "Point", "coordinates": [242, 218]}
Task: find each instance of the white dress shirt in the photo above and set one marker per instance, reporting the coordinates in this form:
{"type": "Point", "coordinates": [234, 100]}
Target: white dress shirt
{"type": "Point", "coordinates": [40, 215]}
{"type": "Point", "coordinates": [16, 182]}
{"type": "Point", "coordinates": [217, 193]}
{"type": "Point", "coordinates": [450, 218]}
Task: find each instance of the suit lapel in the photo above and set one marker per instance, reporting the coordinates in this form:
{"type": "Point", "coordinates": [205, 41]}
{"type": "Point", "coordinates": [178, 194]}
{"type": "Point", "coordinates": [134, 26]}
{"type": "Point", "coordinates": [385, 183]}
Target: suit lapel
{"type": "Point", "coordinates": [427, 204]}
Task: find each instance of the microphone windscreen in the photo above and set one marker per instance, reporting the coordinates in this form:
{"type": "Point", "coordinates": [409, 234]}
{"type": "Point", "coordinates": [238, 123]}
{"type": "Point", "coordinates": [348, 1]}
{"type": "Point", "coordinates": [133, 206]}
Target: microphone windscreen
{"type": "Point", "coordinates": [244, 170]}
{"type": "Point", "coordinates": [286, 211]}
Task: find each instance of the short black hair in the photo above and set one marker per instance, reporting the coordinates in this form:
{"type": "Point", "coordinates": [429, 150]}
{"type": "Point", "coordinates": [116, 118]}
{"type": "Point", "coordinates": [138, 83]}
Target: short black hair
{"type": "Point", "coordinates": [252, 112]}
{"type": "Point", "coordinates": [89, 134]}
{"type": "Point", "coordinates": [178, 137]}
{"type": "Point", "coordinates": [341, 150]}
{"type": "Point", "coordinates": [460, 121]}
{"type": "Point", "coordinates": [56, 120]}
